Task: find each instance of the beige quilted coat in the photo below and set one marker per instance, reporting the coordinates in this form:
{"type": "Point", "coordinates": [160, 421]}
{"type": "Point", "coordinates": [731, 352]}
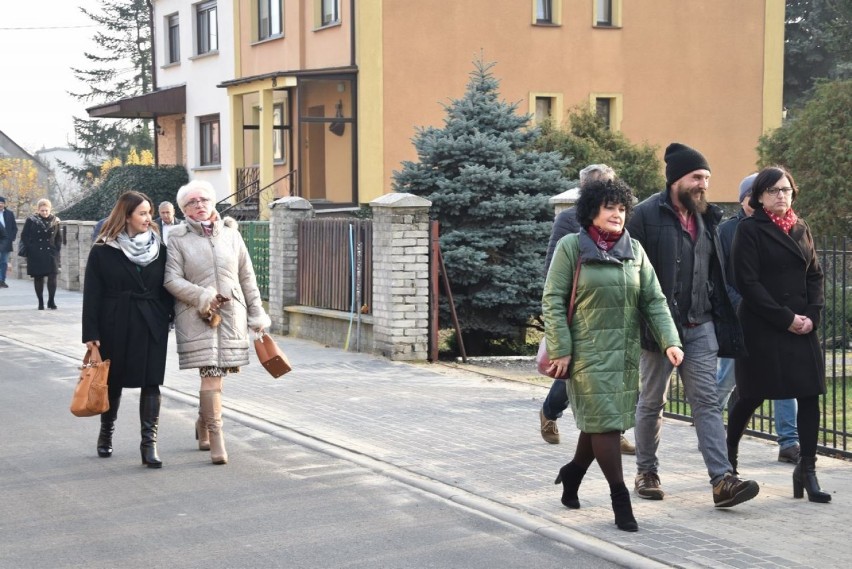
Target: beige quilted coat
{"type": "Point", "coordinates": [197, 268]}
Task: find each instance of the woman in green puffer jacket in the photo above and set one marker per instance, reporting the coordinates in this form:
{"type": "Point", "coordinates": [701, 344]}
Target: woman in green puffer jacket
{"type": "Point", "coordinates": [616, 287]}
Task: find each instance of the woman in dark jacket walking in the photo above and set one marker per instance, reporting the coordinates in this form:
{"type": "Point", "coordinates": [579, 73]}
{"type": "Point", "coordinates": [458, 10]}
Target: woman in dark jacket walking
{"type": "Point", "coordinates": [781, 283]}
{"type": "Point", "coordinates": [42, 242]}
{"type": "Point", "coordinates": [616, 288]}
{"type": "Point", "coordinates": [126, 311]}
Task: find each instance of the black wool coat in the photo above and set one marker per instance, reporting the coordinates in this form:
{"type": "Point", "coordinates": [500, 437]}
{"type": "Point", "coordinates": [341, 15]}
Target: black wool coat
{"type": "Point", "coordinates": [43, 241]}
{"type": "Point", "coordinates": [778, 277]}
{"type": "Point", "coordinates": [126, 307]}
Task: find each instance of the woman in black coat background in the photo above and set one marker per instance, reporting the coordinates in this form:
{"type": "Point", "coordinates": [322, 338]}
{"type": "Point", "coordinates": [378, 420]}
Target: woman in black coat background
{"type": "Point", "coordinates": [777, 272]}
{"type": "Point", "coordinates": [42, 241]}
{"type": "Point", "coordinates": [126, 312]}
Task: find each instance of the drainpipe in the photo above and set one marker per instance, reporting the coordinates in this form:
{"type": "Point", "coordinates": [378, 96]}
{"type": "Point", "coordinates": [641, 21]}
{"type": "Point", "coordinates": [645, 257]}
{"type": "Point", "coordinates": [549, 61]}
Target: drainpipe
{"type": "Point", "coordinates": [153, 76]}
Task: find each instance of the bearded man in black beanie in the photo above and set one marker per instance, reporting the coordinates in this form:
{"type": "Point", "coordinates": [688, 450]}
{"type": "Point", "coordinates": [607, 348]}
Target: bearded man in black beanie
{"type": "Point", "coordinates": [677, 228]}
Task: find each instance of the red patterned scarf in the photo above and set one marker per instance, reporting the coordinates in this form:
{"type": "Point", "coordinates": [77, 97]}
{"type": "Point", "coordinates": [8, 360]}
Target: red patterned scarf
{"type": "Point", "coordinates": [604, 239]}
{"type": "Point", "coordinates": [785, 223]}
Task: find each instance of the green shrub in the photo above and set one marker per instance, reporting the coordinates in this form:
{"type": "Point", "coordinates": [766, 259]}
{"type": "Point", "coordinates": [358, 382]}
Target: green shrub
{"type": "Point", "coordinates": [160, 183]}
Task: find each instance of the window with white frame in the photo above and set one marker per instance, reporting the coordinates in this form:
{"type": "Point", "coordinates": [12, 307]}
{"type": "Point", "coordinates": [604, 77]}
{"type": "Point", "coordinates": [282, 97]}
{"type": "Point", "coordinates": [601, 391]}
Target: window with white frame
{"type": "Point", "coordinates": [607, 13]}
{"type": "Point", "coordinates": [173, 38]}
{"type": "Point", "coordinates": [547, 12]}
{"type": "Point", "coordinates": [604, 12]}
{"type": "Point", "coordinates": [544, 11]}
{"type": "Point", "coordinates": [206, 28]}
{"type": "Point", "coordinates": [268, 19]}
{"type": "Point", "coordinates": [330, 12]}
{"type": "Point", "coordinates": [208, 130]}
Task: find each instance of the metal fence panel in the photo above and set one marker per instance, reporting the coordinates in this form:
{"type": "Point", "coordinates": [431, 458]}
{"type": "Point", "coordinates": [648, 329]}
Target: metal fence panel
{"type": "Point", "coordinates": [256, 236]}
{"type": "Point", "coordinates": [331, 251]}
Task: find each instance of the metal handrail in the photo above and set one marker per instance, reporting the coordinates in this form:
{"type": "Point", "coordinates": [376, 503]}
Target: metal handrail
{"type": "Point", "coordinates": [253, 195]}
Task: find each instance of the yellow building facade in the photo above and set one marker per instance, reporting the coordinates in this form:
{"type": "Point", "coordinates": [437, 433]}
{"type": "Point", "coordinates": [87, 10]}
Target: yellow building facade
{"type": "Point", "coordinates": [326, 94]}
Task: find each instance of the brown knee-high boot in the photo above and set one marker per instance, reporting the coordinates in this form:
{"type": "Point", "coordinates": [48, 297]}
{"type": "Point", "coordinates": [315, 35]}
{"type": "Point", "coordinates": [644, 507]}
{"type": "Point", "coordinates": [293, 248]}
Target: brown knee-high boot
{"type": "Point", "coordinates": [211, 411]}
{"type": "Point", "coordinates": [202, 435]}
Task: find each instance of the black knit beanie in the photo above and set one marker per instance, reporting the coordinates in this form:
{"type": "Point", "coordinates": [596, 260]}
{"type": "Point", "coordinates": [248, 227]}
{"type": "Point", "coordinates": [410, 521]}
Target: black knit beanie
{"type": "Point", "coordinates": [681, 160]}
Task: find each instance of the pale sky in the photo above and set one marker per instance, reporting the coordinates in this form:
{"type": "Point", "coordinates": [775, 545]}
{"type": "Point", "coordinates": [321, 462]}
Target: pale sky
{"type": "Point", "coordinates": [35, 108]}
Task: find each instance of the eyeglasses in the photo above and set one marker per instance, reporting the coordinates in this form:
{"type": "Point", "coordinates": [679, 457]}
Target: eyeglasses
{"type": "Point", "coordinates": [774, 191]}
{"type": "Point", "coordinates": [196, 202]}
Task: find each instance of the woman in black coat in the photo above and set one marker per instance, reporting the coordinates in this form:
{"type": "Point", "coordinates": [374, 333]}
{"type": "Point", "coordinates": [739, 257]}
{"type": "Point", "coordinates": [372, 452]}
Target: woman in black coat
{"type": "Point", "coordinates": [777, 272]}
{"type": "Point", "coordinates": [126, 312]}
{"type": "Point", "coordinates": [42, 242]}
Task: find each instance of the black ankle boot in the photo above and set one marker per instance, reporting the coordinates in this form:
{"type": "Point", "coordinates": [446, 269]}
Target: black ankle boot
{"type": "Point", "coordinates": [51, 305]}
{"type": "Point", "coordinates": [149, 417]}
{"type": "Point", "coordinates": [805, 479]}
{"type": "Point", "coordinates": [621, 507]}
{"type": "Point", "coordinates": [570, 475]}
{"type": "Point", "coordinates": [108, 428]}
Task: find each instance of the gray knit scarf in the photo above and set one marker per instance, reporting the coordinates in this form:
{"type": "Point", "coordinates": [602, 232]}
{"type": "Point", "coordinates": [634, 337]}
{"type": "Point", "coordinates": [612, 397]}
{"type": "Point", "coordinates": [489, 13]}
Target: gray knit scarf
{"type": "Point", "coordinates": [142, 249]}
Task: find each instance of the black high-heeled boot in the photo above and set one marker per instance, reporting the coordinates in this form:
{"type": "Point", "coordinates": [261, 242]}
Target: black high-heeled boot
{"type": "Point", "coordinates": [621, 507]}
{"type": "Point", "coordinates": [570, 475]}
{"type": "Point", "coordinates": [108, 428]}
{"type": "Point", "coordinates": [149, 417]}
{"type": "Point", "coordinates": [805, 479]}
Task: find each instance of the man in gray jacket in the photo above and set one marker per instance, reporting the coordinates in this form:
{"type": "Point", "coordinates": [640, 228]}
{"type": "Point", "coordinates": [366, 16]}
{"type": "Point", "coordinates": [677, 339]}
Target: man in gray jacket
{"type": "Point", "coordinates": [677, 228]}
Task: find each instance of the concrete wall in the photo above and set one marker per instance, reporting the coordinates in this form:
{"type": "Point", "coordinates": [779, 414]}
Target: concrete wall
{"type": "Point", "coordinates": [399, 325]}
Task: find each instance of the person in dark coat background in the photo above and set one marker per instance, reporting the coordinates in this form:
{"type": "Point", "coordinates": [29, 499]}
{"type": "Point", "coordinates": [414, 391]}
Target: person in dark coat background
{"type": "Point", "coordinates": [42, 242]}
{"type": "Point", "coordinates": [8, 232]}
{"type": "Point", "coordinates": [781, 283]}
{"type": "Point", "coordinates": [126, 312]}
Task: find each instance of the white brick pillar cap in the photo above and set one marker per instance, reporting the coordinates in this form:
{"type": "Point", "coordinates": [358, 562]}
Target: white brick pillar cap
{"type": "Point", "coordinates": [291, 202]}
{"type": "Point", "coordinates": [395, 199]}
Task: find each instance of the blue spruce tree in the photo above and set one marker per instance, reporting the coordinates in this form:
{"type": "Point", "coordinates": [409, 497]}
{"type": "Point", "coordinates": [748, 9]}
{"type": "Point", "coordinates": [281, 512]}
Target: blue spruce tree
{"type": "Point", "coordinates": [489, 190]}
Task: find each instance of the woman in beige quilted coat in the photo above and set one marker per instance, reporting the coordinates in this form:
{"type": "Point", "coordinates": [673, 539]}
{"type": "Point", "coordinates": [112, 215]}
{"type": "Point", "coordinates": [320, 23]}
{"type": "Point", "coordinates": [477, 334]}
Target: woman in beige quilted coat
{"type": "Point", "coordinates": [210, 274]}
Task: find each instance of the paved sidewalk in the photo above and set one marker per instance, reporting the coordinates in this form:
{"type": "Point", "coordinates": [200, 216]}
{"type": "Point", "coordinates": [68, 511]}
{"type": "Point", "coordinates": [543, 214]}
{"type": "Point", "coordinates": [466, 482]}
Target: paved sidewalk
{"type": "Point", "coordinates": [475, 440]}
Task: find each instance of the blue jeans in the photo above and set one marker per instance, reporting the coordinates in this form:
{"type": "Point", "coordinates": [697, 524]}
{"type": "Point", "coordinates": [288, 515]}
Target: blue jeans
{"type": "Point", "coordinates": [698, 374]}
{"type": "Point", "coordinates": [725, 381]}
{"type": "Point", "coordinates": [785, 422]}
{"type": "Point", "coordinates": [4, 262]}
{"type": "Point", "coordinates": [556, 401]}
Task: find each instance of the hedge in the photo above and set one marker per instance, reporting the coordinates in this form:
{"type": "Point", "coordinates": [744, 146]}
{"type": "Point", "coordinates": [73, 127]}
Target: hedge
{"type": "Point", "coordinates": [160, 183]}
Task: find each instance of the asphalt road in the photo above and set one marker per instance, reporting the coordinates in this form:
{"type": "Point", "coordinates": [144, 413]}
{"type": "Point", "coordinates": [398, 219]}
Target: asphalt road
{"type": "Point", "coordinates": [278, 505]}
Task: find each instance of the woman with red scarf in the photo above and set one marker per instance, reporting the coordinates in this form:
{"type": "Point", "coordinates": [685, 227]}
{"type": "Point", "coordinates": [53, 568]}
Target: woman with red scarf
{"type": "Point", "coordinates": [616, 288]}
{"type": "Point", "coordinates": [777, 272]}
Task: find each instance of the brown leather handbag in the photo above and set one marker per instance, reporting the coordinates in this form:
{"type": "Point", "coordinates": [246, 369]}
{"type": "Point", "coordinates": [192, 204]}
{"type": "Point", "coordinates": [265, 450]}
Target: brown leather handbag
{"type": "Point", "coordinates": [542, 359]}
{"type": "Point", "coordinates": [90, 395]}
{"type": "Point", "coordinates": [271, 356]}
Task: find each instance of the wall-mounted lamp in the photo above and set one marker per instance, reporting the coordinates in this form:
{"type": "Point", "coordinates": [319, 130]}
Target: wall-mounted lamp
{"type": "Point", "coordinates": [341, 87]}
{"type": "Point", "coordinates": [158, 129]}
{"type": "Point", "coordinates": [784, 113]}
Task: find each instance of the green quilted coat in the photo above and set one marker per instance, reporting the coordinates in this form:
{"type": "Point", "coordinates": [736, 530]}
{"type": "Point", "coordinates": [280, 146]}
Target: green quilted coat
{"type": "Point", "coordinates": [614, 290]}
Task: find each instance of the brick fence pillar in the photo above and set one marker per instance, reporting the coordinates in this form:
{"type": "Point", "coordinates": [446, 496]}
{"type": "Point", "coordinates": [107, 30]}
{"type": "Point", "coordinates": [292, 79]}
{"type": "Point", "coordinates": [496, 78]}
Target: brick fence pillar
{"type": "Point", "coordinates": [401, 276]}
{"type": "Point", "coordinates": [283, 257]}
{"type": "Point", "coordinates": [69, 256]}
